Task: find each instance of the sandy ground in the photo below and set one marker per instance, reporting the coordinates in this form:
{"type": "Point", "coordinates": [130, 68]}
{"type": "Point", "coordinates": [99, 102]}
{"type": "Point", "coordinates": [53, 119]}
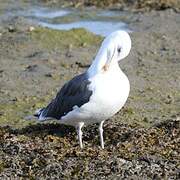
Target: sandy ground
{"type": "Point", "coordinates": [141, 140]}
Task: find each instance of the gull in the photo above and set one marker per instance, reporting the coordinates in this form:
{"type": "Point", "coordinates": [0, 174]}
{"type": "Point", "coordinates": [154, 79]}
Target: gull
{"type": "Point", "coordinates": [95, 95]}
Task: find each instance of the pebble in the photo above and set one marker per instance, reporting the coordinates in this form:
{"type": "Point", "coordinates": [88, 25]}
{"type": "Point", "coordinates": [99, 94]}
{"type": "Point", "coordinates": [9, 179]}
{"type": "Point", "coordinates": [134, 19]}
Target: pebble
{"type": "Point", "coordinates": [11, 29]}
{"type": "Point", "coordinates": [31, 28]}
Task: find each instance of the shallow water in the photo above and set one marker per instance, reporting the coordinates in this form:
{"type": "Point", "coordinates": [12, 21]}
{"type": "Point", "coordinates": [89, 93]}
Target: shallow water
{"type": "Point", "coordinates": [97, 27]}
{"type": "Point", "coordinates": [98, 22]}
{"type": "Point", "coordinates": [101, 22]}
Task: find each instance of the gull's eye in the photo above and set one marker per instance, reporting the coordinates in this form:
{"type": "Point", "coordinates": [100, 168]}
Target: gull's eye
{"type": "Point", "coordinates": [119, 50]}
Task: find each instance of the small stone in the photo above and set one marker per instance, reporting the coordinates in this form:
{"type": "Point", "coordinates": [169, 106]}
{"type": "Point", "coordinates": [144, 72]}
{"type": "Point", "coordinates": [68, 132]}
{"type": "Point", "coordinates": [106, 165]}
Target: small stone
{"type": "Point", "coordinates": [48, 75]}
{"type": "Point", "coordinates": [31, 28]}
{"type": "Point", "coordinates": [51, 61]}
{"type": "Point", "coordinates": [31, 68]}
{"type": "Point", "coordinates": [84, 44]}
{"type": "Point", "coordinates": [11, 29]}
{"type": "Point", "coordinates": [178, 118]}
{"type": "Point", "coordinates": [145, 119]}
{"type": "Point", "coordinates": [70, 46]}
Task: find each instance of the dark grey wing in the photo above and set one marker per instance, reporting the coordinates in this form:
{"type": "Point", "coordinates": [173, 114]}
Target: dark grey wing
{"type": "Point", "coordinates": [74, 92]}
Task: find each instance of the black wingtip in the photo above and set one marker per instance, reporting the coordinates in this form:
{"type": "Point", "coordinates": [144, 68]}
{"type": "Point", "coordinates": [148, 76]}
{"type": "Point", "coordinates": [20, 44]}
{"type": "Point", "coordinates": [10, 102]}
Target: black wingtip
{"type": "Point", "coordinates": [38, 112]}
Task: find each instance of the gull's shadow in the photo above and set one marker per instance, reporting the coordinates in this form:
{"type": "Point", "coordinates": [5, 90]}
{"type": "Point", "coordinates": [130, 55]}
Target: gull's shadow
{"type": "Point", "coordinates": [112, 134]}
{"type": "Point", "coordinates": [43, 129]}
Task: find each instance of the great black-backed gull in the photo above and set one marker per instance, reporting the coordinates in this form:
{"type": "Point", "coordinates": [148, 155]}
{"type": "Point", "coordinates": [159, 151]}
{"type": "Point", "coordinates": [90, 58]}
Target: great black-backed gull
{"type": "Point", "coordinates": [97, 94]}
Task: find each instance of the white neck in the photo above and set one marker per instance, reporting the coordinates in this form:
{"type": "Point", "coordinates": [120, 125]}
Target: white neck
{"type": "Point", "coordinates": [97, 65]}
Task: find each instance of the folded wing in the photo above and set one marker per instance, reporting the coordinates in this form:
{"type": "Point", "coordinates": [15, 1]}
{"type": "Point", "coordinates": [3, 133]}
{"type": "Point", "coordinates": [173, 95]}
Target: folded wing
{"type": "Point", "coordinates": [73, 93]}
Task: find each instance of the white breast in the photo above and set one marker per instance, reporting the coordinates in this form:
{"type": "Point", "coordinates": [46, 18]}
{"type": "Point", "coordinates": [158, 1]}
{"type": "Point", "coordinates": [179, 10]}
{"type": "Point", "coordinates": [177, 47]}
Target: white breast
{"type": "Point", "coordinates": [110, 92]}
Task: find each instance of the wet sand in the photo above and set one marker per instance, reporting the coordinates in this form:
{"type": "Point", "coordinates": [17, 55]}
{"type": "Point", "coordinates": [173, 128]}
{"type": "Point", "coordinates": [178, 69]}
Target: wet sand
{"type": "Point", "coordinates": [35, 64]}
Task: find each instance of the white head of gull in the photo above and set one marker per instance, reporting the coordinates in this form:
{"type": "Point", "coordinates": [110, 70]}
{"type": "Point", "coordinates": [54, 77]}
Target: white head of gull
{"type": "Point", "coordinates": [97, 94]}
